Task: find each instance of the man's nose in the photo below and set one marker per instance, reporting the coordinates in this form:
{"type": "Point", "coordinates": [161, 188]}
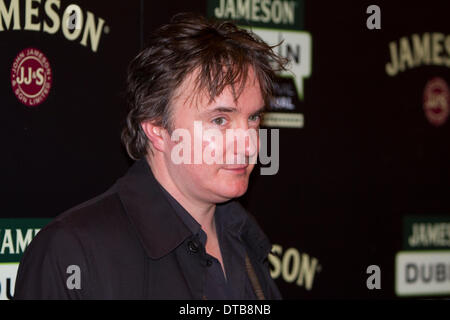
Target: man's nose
{"type": "Point", "coordinates": [252, 142]}
{"type": "Point", "coordinates": [246, 142]}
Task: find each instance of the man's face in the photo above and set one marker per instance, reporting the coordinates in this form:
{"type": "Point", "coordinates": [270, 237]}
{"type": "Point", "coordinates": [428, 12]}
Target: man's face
{"type": "Point", "coordinates": [215, 181]}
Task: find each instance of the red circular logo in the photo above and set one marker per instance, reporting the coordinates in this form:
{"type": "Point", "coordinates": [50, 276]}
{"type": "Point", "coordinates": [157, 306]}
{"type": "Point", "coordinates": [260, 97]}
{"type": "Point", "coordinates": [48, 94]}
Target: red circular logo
{"type": "Point", "coordinates": [436, 101]}
{"type": "Point", "coordinates": [31, 77]}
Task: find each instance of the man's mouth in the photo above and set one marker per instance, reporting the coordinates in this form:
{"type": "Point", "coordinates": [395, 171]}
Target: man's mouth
{"type": "Point", "coordinates": [236, 168]}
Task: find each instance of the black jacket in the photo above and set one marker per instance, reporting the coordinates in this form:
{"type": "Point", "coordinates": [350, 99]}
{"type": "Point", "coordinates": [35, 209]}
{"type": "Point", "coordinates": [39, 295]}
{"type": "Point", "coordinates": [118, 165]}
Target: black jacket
{"type": "Point", "coordinates": [129, 244]}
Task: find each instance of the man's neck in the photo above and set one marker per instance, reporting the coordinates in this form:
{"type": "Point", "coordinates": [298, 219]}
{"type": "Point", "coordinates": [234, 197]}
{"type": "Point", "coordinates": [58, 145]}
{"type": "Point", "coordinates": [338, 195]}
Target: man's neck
{"type": "Point", "coordinates": [202, 212]}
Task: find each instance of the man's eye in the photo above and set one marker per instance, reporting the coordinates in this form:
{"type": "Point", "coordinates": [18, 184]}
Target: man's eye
{"type": "Point", "coordinates": [219, 121]}
{"type": "Point", "coordinates": [255, 117]}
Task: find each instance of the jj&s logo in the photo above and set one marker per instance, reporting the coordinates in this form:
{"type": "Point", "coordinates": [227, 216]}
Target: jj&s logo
{"type": "Point", "coordinates": [31, 77]}
{"type": "Point", "coordinates": [436, 101]}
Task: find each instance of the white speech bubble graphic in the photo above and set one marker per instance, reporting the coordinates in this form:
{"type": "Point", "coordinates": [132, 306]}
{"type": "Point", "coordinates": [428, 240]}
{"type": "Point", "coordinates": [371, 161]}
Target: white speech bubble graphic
{"type": "Point", "coordinates": [8, 273]}
{"type": "Point", "coordinates": [296, 46]}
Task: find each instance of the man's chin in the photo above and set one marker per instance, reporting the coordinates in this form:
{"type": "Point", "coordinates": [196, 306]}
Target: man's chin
{"type": "Point", "coordinates": [227, 195]}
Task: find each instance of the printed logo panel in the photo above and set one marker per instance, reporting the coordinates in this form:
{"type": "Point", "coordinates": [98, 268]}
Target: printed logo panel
{"type": "Point", "coordinates": [422, 273]}
{"type": "Point", "coordinates": [8, 272]}
{"type": "Point", "coordinates": [294, 267]}
{"type": "Point", "coordinates": [279, 14]}
{"type": "Point", "coordinates": [426, 233]}
{"type": "Point", "coordinates": [31, 77]}
{"type": "Point", "coordinates": [15, 236]}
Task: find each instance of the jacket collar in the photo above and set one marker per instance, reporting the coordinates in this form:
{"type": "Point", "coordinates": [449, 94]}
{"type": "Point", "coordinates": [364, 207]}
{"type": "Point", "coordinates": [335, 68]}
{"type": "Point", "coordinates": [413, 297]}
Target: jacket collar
{"type": "Point", "coordinates": [240, 223]}
{"type": "Point", "coordinates": [159, 228]}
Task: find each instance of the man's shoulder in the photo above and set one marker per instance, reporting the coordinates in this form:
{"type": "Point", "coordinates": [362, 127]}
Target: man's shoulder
{"type": "Point", "coordinates": [90, 220]}
{"type": "Point", "coordinates": [99, 211]}
{"type": "Point", "coordinates": [90, 236]}
{"type": "Point", "coordinates": [99, 226]}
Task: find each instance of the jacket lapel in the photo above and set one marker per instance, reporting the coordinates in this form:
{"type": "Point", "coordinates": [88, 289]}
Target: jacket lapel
{"type": "Point", "coordinates": [242, 224]}
{"type": "Point", "coordinates": [158, 227]}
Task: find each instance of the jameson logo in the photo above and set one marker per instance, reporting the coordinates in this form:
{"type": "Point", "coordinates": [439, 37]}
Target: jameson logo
{"type": "Point", "coordinates": [418, 50]}
{"type": "Point", "coordinates": [293, 266]}
{"type": "Point", "coordinates": [16, 235]}
{"type": "Point", "coordinates": [48, 16]}
{"type": "Point", "coordinates": [425, 233]}
{"type": "Point", "coordinates": [281, 14]}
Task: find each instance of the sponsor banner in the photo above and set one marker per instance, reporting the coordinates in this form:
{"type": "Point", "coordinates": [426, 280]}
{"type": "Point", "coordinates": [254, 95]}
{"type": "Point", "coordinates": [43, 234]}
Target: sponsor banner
{"type": "Point", "coordinates": [423, 268]}
{"type": "Point", "coordinates": [422, 273]}
{"type": "Point", "coordinates": [425, 233]}
{"type": "Point", "coordinates": [63, 66]}
{"type": "Point", "coordinates": [280, 24]}
{"type": "Point", "coordinates": [279, 14]}
{"type": "Point", "coordinates": [419, 50]}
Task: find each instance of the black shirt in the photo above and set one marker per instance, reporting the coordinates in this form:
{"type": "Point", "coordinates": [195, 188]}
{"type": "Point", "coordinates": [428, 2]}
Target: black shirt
{"type": "Point", "coordinates": [234, 284]}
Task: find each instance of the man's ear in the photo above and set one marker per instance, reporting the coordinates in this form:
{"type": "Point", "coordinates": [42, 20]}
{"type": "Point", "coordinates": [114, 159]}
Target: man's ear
{"type": "Point", "coordinates": [155, 134]}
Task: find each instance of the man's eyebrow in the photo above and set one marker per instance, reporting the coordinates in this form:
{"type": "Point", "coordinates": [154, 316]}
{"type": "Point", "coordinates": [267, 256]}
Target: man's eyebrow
{"type": "Point", "coordinates": [222, 109]}
{"type": "Point", "coordinates": [231, 109]}
{"type": "Point", "coordinates": [259, 111]}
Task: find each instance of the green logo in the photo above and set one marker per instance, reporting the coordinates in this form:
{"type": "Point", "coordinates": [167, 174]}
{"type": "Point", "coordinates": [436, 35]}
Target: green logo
{"type": "Point", "coordinates": [425, 233]}
{"type": "Point", "coordinates": [277, 14]}
{"type": "Point", "coordinates": [16, 235]}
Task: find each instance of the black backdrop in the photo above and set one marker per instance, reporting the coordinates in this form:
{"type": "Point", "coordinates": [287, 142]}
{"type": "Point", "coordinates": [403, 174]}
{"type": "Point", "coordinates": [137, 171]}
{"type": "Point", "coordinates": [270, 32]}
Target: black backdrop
{"type": "Point", "coordinates": [366, 159]}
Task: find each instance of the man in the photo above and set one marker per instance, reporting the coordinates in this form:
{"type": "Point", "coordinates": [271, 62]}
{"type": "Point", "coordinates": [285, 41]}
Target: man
{"type": "Point", "coordinates": [168, 229]}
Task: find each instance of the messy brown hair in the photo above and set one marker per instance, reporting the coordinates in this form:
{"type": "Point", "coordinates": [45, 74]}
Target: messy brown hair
{"type": "Point", "coordinates": [220, 51]}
